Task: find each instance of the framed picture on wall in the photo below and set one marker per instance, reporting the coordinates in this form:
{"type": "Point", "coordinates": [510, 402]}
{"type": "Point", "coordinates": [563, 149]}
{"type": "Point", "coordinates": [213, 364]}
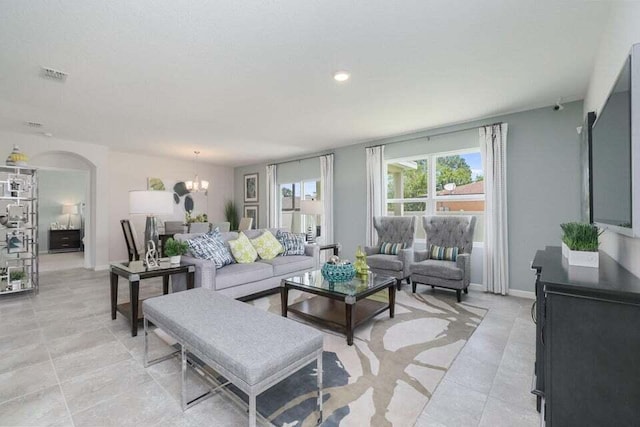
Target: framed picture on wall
{"type": "Point", "coordinates": [251, 188]}
{"type": "Point", "coordinates": [252, 212]}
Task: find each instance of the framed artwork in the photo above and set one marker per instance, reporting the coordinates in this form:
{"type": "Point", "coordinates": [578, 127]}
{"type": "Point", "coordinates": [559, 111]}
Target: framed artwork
{"type": "Point", "coordinates": [184, 200]}
{"type": "Point", "coordinates": [252, 212]}
{"type": "Point", "coordinates": [251, 188]}
{"type": "Point", "coordinates": [18, 213]}
{"type": "Point", "coordinates": [16, 242]}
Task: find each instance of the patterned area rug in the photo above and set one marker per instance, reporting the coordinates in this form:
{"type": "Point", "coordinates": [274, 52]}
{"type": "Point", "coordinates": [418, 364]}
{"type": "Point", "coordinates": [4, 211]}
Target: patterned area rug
{"type": "Point", "coordinates": [387, 376]}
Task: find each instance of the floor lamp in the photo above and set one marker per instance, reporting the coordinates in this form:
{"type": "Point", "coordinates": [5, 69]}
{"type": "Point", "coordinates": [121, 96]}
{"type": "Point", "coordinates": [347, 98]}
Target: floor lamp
{"type": "Point", "coordinates": [150, 203]}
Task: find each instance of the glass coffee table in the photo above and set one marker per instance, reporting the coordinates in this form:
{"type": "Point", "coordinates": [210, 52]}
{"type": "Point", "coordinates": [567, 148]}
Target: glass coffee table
{"type": "Point", "coordinates": [338, 305]}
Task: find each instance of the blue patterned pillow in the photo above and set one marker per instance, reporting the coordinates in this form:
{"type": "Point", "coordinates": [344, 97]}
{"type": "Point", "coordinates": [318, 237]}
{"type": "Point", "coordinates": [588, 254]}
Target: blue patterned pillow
{"type": "Point", "coordinates": [210, 246]}
{"type": "Point", "coordinates": [292, 243]}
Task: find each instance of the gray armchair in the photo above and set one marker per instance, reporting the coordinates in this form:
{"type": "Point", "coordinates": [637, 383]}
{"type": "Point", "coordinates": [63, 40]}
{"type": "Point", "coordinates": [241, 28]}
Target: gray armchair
{"type": "Point", "coordinates": [392, 229]}
{"type": "Point", "coordinates": [448, 231]}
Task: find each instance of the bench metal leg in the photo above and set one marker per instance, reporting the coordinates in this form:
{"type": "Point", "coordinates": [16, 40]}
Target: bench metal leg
{"type": "Point", "coordinates": [252, 410]}
{"type": "Point", "coordinates": [319, 369]}
{"type": "Point", "coordinates": [146, 360]}
{"type": "Point", "coordinates": [183, 382]}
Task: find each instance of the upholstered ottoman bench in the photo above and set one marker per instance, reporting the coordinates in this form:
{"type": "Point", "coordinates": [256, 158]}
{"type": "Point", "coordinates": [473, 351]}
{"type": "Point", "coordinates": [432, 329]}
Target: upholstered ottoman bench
{"type": "Point", "coordinates": [251, 348]}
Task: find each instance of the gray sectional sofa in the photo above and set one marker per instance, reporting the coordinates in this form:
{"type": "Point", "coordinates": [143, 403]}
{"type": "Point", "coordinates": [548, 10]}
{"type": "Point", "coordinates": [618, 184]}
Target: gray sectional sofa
{"type": "Point", "coordinates": [241, 280]}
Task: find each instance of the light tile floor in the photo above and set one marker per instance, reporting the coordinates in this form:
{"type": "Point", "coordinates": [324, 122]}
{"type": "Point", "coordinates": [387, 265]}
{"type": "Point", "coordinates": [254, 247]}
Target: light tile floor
{"type": "Point", "coordinates": [64, 362]}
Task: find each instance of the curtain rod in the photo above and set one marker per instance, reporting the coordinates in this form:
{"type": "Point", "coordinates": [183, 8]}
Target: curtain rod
{"type": "Point", "coordinates": [428, 137]}
{"type": "Point", "coordinates": [300, 159]}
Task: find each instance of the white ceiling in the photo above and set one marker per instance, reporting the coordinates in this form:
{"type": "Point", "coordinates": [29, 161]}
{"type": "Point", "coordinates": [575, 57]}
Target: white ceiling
{"type": "Point", "coordinates": [245, 81]}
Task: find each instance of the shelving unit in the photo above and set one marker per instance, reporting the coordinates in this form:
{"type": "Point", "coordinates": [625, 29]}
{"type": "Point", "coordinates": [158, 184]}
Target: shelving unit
{"type": "Point", "coordinates": [18, 230]}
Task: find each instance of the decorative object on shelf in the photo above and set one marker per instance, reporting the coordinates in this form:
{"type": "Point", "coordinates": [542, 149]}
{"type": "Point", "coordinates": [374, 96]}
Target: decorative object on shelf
{"type": "Point", "coordinates": [17, 157]}
{"type": "Point", "coordinates": [197, 185]}
{"type": "Point", "coordinates": [69, 210]}
{"type": "Point", "coordinates": [336, 270]}
{"type": "Point", "coordinates": [16, 279]}
{"type": "Point", "coordinates": [231, 214]}
{"type": "Point", "coordinates": [150, 203]}
{"type": "Point", "coordinates": [151, 257]}
{"type": "Point", "coordinates": [18, 185]}
{"type": "Point", "coordinates": [16, 242]}
{"type": "Point", "coordinates": [54, 226]}
{"type": "Point", "coordinates": [174, 249]}
{"type": "Point", "coordinates": [313, 208]}
{"type": "Point", "coordinates": [580, 244]}
{"type": "Point", "coordinates": [362, 269]}
{"type": "Point", "coordinates": [251, 188]}
{"type": "Point", "coordinates": [18, 213]}
{"type": "Point", "coordinates": [252, 212]}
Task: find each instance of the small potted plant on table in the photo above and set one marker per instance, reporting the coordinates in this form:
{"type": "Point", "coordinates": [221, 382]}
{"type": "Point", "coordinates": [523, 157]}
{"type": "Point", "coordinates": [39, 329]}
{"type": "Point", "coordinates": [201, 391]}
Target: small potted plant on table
{"type": "Point", "coordinates": [580, 244]}
{"type": "Point", "coordinates": [175, 249]}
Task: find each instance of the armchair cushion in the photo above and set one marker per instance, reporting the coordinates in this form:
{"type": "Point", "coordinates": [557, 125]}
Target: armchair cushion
{"type": "Point", "coordinates": [391, 248]}
{"type": "Point", "coordinates": [447, 270]}
{"type": "Point", "coordinates": [385, 262]}
{"type": "Point", "coordinates": [443, 253]}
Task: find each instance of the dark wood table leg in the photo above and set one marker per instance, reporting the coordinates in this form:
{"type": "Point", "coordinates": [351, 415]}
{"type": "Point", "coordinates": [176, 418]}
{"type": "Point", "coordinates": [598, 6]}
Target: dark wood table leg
{"type": "Point", "coordinates": [284, 299]}
{"type": "Point", "coordinates": [392, 301]}
{"type": "Point", "coordinates": [191, 279]}
{"type": "Point", "coordinates": [134, 289]}
{"type": "Point", "coordinates": [165, 284]}
{"type": "Point", "coordinates": [114, 294]}
{"type": "Point", "coordinates": [350, 319]}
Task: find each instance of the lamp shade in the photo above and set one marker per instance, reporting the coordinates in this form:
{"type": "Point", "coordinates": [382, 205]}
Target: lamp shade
{"type": "Point", "coordinates": [311, 207]}
{"type": "Point", "coordinates": [70, 209]}
{"type": "Point", "coordinates": [150, 202]}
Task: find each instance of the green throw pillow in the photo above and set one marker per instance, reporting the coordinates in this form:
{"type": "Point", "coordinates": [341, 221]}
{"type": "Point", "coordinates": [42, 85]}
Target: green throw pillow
{"type": "Point", "coordinates": [242, 249]}
{"type": "Point", "coordinates": [443, 253]}
{"type": "Point", "coordinates": [267, 246]}
{"type": "Point", "coordinates": [391, 248]}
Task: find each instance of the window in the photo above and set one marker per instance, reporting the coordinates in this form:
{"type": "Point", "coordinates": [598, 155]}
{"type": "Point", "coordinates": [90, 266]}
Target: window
{"type": "Point", "coordinates": [290, 196]}
{"type": "Point", "coordinates": [442, 184]}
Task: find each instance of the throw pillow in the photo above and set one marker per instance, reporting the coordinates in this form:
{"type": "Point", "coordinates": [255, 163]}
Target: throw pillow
{"type": "Point", "coordinates": [443, 253]}
{"type": "Point", "coordinates": [391, 248]}
{"type": "Point", "coordinates": [292, 243]}
{"type": "Point", "coordinates": [210, 246]}
{"type": "Point", "coordinates": [242, 250]}
{"type": "Point", "coordinates": [267, 246]}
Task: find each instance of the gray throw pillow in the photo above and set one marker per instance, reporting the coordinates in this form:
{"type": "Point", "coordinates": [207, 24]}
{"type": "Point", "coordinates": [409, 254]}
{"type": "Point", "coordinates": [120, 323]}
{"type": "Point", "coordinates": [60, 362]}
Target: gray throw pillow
{"type": "Point", "coordinates": [293, 243]}
{"type": "Point", "coordinates": [210, 246]}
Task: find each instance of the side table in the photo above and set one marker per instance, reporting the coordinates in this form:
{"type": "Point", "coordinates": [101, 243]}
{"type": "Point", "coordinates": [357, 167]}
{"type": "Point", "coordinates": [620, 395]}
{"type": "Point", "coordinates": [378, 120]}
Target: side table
{"type": "Point", "coordinates": [134, 275]}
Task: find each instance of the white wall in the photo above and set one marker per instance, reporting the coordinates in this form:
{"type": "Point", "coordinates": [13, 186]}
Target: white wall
{"type": "Point", "coordinates": [129, 171]}
{"type": "Point", "coordinates": [621, 32]}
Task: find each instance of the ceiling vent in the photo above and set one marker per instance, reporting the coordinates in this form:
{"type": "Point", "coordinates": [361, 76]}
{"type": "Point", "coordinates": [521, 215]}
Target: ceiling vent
{"type": "Point", "coordinates": [52, 74]}
{"type": "Point", "coordinates": [33, 124]}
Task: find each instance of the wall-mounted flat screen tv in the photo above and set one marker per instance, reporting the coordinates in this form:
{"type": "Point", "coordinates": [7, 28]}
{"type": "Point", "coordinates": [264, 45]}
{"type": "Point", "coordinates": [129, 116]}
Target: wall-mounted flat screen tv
{"type": "Point", "coordinates": [615, 153]}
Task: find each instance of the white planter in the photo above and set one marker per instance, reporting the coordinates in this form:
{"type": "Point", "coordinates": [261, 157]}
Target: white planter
{"type": "Point", "coordinates": [581, 258]}
{"type": "Point", "coordinates": [16, 285]}
{"type": "Point", "coordinates": [175, 259]}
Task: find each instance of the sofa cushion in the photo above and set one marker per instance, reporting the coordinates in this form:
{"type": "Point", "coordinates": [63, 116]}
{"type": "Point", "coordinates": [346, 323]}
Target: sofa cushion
{"type": "Point", "coordinates": [239, 274]}
{"type": "Point", "coordinates": [443, 253]}
{"type": "Point", "coordinates": [289, 264]}
{"type": "Point", "coordinates": [293, 243]}
{"type": "Point", "coordinates": [436, 268]}
{"type": "Point", "coordinates": [385, 262]}
{"type": "Point", "coordinates": [267, 246]}
{"type": "Point", "coordinates": [210, 246]}
{"type": "Point", "coordinates": [242, 249]}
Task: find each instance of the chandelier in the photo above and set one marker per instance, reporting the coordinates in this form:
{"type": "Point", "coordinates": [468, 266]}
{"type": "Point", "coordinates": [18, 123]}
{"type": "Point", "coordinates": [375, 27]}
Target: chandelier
{"type": "Point", "coordinates": [197, 185]}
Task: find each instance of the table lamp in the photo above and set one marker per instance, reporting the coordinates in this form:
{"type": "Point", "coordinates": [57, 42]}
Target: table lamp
{"type": "Point", "coordinates": [313, 208]}
{"type": "Point", "coordinates": [150, 203]}
{"type": "Point", "coordinates": [69, 210]}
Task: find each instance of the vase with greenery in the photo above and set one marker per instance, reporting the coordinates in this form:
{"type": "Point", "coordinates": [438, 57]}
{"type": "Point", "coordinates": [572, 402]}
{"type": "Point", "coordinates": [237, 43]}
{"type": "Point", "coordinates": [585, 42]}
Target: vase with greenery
{"type": "Point", "coordinates": [231, 214]}
{"type": "Point", "coordinates": [16, 278]}
{"type": "Point", "coordinates": [175, 249]}
{"type": "Point", "coordinates": [580, 243]}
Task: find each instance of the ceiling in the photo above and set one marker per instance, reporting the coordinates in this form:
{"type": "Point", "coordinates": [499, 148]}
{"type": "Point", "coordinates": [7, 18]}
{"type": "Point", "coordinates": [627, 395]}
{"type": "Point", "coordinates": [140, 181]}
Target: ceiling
{"type": "Point", "coordinates": [248, 81]}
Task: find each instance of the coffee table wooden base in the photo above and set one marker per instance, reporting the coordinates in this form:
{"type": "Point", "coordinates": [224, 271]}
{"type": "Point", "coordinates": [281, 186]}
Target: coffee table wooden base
{"type": "Point", "coordinates": [338, 315]}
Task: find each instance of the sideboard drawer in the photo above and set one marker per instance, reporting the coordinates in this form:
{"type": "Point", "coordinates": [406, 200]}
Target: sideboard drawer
{"type": "Point", "coordinates": [64, 240]}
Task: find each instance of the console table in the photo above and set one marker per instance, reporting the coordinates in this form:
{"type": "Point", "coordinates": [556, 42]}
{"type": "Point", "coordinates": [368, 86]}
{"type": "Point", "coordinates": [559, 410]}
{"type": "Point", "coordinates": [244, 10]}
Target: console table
{"type": "Point", "coordinates": [64, 240]}
{"type": "Point", "coordinates": [587, 342]}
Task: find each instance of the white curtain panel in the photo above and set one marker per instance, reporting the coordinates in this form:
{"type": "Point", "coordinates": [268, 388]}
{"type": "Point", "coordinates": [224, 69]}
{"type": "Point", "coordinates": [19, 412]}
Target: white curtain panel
{"type": "Point", "coordinates": [493, 146]}
{"type": "Point", "coordinates": [376, 189]}
{"type": "Point", "coordinates": [326, 190]}
{"type": "Point", "coordinates": [273, 217]}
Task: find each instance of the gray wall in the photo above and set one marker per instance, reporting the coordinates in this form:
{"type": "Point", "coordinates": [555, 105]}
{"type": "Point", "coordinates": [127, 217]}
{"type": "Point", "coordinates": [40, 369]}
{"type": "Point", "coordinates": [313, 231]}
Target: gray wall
{"type": "Point", "coordinates": [543, 172]}
{"type": "Point", "coordinates": [57, 188]}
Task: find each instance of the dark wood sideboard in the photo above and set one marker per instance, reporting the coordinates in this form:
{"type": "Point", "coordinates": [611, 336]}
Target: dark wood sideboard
{"type": "Point", "coordinates": [64, 240]}
{"type": "Point", "coordinates": [587, 342]}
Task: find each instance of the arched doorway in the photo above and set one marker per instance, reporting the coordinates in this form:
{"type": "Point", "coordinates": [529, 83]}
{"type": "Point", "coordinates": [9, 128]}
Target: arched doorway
{"type": "Point", "coordinates": [67, 180]}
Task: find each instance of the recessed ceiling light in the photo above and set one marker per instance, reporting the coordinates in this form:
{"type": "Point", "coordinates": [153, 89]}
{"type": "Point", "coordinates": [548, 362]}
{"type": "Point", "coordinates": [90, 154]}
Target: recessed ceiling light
{"type": "Point", "coordinates": [341, 76]}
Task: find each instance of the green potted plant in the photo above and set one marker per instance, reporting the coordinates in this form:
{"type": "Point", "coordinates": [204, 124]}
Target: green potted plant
{"type": "Point", "coordinates": [231, 214]}
{"type": "Point", "coordinates": [175, 249]}
{"type": "Point", "coordinates": [580, 244]}
{"type": "Point", "coordinates": [15, 279]}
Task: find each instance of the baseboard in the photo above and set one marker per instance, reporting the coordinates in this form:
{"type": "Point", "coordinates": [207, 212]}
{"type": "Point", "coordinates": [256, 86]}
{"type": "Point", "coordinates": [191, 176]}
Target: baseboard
{"type": "Point", "coordinates": [513, 292]}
